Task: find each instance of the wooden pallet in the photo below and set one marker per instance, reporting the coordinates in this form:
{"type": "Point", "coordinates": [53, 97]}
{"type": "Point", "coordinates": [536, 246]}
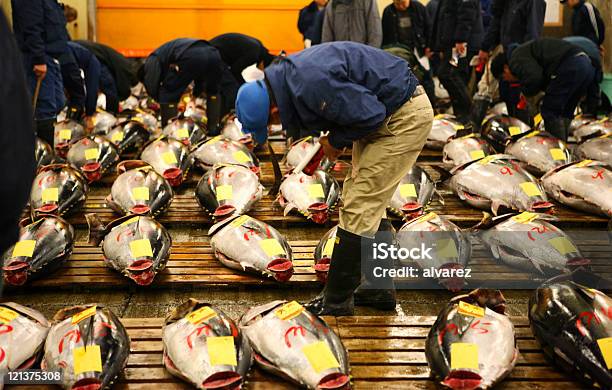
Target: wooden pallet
{"type": "Point", "coordinates": [384, 352]}
{"type": "Point", "coordinates": [193, 265]}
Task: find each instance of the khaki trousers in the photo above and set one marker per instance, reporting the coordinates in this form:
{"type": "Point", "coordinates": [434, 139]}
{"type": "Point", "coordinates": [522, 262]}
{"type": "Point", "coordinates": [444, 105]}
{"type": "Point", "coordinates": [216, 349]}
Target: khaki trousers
{"type": "Point", "coordinates": [380, 160]}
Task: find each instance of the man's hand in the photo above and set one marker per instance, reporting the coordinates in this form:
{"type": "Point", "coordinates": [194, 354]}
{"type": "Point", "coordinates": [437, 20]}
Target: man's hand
{"type": "Point", "coordinates": [40, 71]}
{"type": "Point", "coordinates": [331, 152]}
{"type": "Point", "coordinates": [483, 56]}
{"type": "Point", "coordinates": [428, 53]}
{"type": "Point", "coordinates": [461, 47]}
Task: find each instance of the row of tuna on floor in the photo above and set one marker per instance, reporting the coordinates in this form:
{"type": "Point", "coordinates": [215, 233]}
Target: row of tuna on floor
{"type": "Point", "coordinates": [472, 344]}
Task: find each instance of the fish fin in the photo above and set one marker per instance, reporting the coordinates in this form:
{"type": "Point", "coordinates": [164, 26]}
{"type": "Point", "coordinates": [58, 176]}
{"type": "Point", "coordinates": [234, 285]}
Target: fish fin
{"type": "Point", "coordinates": [288, 208]}
{"type": "Point", "coordinates": [96, 228]}
{"type": "Point", "coordinates": [484, 222]}
{"type": "Point", "coordinates": [484, 297]}
{"type": "Point", "coordinates": [495, 205]}
{"type": "Point", "coordinates": [127, 165]}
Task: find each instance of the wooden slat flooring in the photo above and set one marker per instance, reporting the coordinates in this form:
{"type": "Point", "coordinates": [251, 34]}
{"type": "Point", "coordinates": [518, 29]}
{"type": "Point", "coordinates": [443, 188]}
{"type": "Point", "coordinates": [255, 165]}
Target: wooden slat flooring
{"type": "Point", "coordinates": [396, 361]}
{"type": "Point", "coordinates": [193, 264]}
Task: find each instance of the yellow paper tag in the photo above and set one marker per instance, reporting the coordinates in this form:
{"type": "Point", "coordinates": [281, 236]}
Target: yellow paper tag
{"type": "Point", "coordinates": [447, 249]}
{"type": "Point", "coordinates": [214, 140]}
{"type": "Point", "coordinates": [117, 136]}
{"type": "Point", "coordinates": [65, 134]}
{"type": "Point", "coordinates": [24, 248]}
{"type": "Point", "coordinates": [471, 310]}
{"type": "Point", "coordinates": [426, 217]}
{"type": "Point", "coordinates": [525, 217]}
{"type": "Point", "coordinates": [464, 356]}
{"type": "Point", "coordinates": [531, 189]}
{"type": "Point", "coordinates": [557, 154]}
{"type": "Point", "coordinates": [141, 248]}
{"type": "Point", "coordinates": [458, 127]}
{"type": "Point", "coordinates": [607, 135]}
{"type": "Point", "coordinates": [137, 119]}
{"type": "Point", "coordinates": [169, 158]}
{"type": "Point", "coordinates": [514, 130]}
{"type": "Point", "coordinates": [439, 116]}
{"type": "Point", "coordinates": [240, 220]}
{"type": "Point", "coordinates": [320, 356]}
{"type": "Point", "coordinates": [241, 156]}
{"type": "Point", "coordinates": [289, 310]}
{"type": "Point", "coordinates": [537, 119]}
{"type": "Point", "coordinates": [50, 195]}
{"type": "Point", "coordinates": [140, 193]}
{"type": "Point", "coordinates": [87, 359]}
{"type": "Point", "coordinates": [272, 247]}
{"type": "Point", "coordinates": [92, 154]}
{"type": "Point", "coordinates": [408, 190]}
{"type": "Point", "coordinates": [182, 133]}
{"type": "Point", "coordinates": [89, 312]}
{"type": "Point", "coordinates": [224, 192]}
{"type": "Point", "coordinates": [605, 346]}
{"type": "Point", "coordinates": [583, 163]}
{"type": "Point", "coordinates": [7, 315]}
{"type": "Point", "coordinates": [562, 245]}
{"type": "Point", "coordinates": [131, 220]}
{"type": "Point", "coordinates": [221, 350]}
{"type": "Point", "coordinates": [328, 249]}
{"type": "Point", "coordinates": [316, 191]}
{"type": "Point", "coordinates": [471, 135]}
{"type": "Point", "coordinates": [486, 160]}
{"type": "Point", "coordinates": [477, 154]}
{"type": "Point", "coordinates": [204, 313]}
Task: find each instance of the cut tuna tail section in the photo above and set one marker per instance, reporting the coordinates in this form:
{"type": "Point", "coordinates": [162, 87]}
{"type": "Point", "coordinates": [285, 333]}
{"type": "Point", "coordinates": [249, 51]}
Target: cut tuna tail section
{"type": "Point", "coordinates": [96, 229]}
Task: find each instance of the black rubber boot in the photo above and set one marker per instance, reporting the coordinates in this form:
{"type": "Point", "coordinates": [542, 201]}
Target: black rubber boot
{"type": "Point", "coordinates": [45, 129]}
{"type": "Point", "coordinates": [344, 276]}
{"type": "Point", "coordinates": [75, 113]}
{"type": "Point", "coordinates": [479, 111]}
{"type": "Point", "coordinates": [378, 293]}
{"type": "Point", "coordinates": [167, 112]}
{"type": "Point", "coordinates": [557, 127]}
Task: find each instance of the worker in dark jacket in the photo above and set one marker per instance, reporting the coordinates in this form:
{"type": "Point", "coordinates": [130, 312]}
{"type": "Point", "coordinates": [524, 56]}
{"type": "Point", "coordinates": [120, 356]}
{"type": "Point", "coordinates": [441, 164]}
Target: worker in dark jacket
{"type": "Point", "coordinates": [594, 98]}
{"type": "Point", "coordinates": [364, 97]}
{"type": "Point", "coordinates": [457, 36]}
{"type": "Point", "coordinates": [352, 20]}
{"type": "Point", "coordinates": [40, 30]}
{"type": "Point", "coordinates": [587, 21]}
{"type": "Point", "coordinates": [117, 73]}
{"type": "Point", "coordinates": [514, 22]}
{"type": "Point", "coordinates": [16, 136]}
{"type": "Point", "coordinates": [555, 66]}
{"type": "Point", "coordinates": [310, 22]}
{"type": "Point", "coordinates": [406, 28]}
{"type": "Point", "coordinates": [170, 69]}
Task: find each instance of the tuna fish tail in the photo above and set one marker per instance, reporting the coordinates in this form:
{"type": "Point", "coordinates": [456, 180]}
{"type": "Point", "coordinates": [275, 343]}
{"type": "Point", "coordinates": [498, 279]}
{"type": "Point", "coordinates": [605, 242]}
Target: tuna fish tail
{"type": "Point", "coordinates": [96, 229]}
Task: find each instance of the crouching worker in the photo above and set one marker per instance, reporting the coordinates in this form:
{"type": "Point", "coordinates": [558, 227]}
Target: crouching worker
{"type": "Point", "coordinates": [170, 69]}
{"type": "Point", "coordinates": [366, 98]}
{"type": "Point", "coordinates": [560, 69]}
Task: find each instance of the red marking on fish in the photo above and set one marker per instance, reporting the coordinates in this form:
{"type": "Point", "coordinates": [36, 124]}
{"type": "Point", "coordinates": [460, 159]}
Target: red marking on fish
{"type": "Point", "coordinates": [295, 330]}
{"type": "Point", "coordinates": [449, 328]}
{"type": "Point", "coordinates": [198, 332]}
{"type": "Point", "coordinates": [73, 335]}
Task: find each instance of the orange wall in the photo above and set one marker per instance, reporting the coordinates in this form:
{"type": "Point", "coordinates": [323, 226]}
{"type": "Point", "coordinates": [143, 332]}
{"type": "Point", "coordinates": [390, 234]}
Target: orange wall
{"type": "Point", "coordinates": [136, 27]}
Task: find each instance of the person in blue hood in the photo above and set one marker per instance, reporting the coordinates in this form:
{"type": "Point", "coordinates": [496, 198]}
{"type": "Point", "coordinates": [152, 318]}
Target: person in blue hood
{"type": "Point", "coordinates": [366, 98]}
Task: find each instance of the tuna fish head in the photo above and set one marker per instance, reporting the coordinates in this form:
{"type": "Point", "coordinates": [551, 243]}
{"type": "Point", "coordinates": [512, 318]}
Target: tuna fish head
{"type": "Point", "coordinates": [443, 128]}
{"type": "Point", "coordinates": [170, 158]}
{"type": "Point", "coordinates": [43, 153]}
{"type": "Point", "coordinates": [42, 248]}
{"type": "Point", "coordinates": [228, 189]}
{"type": "Point", "coordinates": [313, 196]}
{"type": "Point", "coordinates": [93, 156]}
{"type": "Point", "coordinates": [103, 122]}
{"type": "Point", "coordinates": [323, 254]}
{"type": "Point", "coordinates": [219, 150]}
{"type": "Point", "coordinates": [462, 150]}
{"type": "Point", "coordinates": [195, 337]}
{"type": "Point", "coordinates": [247, 244]}
{"type": "Point", "coordinates": [539, 152]}
{"type": "Point", "coordinates": [138, 247]}
{"type": "Point", "coordinates": [90, 333]}
{"type": "Point", "coordinates": [140, 190]}
{"type": "Point", "coordinates": [599, 149]}
{"type": "Point", "coordinates": [500, 130]}
{"type": "Point", "coordinates": [233, 131]}
{"type": "Point", "coordinates": [57, 189]}
{"type": "Point", "coordinates": [66, 133]}
{"type": "Point", "coordinates": [128, 135]}
{"type": "Point", "coordinates": [186, 130]}
{"type": "Point", "coordinates": [593, 129]}
{"type": "Point", "coordinates": [413, 193]}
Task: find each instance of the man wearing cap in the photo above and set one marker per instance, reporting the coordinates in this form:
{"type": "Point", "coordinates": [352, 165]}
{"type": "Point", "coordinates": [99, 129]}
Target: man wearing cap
{"type": "Point", "coordinates": [366, 98]}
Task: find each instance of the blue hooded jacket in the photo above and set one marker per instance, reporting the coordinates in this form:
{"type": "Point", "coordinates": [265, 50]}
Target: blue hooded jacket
{"type": "Point", "coordinates": [345, 87]}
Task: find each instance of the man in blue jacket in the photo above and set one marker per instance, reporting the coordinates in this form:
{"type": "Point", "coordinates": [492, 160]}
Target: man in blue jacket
{"type": "Point", "coordinates": [514, 22]}
{"type": "Point", "coordinates": [587, 21]}
{"type": "Point", "coordinates": [366, 98]}
{"type": "Point", "coordinates": [170, 69]}
{"type": "Point", "coordinates": [40, 30]}
{"type": "Point", "coordinates": [457, 35]}
{"type": "Point", "coordinates": [310, 22]}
